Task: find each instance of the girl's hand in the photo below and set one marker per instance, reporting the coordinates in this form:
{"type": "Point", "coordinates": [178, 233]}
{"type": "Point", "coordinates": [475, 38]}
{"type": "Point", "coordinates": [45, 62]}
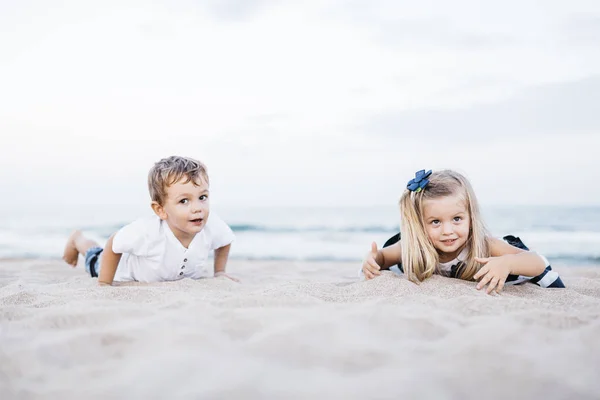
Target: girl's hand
{"type": "Point", "coordinates": [223, 274]}
{"type": "Point", "coordinates": [370, 268]}
{"type": "Point", "coordinates": [494, 272]}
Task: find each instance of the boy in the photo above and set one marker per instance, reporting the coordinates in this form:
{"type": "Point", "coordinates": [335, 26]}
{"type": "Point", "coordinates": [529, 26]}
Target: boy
{"type": "Point", "coordinates": [173, 244]}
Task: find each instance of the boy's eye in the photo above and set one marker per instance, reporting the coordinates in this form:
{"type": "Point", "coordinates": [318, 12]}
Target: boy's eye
{"type": "Point", "coordinates": [203, 197]}
{"type": "Point", "coordinates": [183, 201]}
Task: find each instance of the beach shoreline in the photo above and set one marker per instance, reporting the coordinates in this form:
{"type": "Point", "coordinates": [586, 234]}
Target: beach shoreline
{"type": "Point", "coordinates": [294, 330]}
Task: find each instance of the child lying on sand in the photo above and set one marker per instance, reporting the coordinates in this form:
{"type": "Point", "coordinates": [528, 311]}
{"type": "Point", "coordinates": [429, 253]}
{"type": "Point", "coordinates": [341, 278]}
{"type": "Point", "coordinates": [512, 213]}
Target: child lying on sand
{"type": "Point", "coordinates": [443, 233]}
{"type": "Point", "coordinates": [171, 245]}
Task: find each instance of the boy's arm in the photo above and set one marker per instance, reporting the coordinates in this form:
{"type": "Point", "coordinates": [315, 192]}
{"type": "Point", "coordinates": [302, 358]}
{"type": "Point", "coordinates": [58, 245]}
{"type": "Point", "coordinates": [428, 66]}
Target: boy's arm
{"type": "Point", "coordinates": [109, 263]}
{"type": "Point", "coordinates": [221, 256]}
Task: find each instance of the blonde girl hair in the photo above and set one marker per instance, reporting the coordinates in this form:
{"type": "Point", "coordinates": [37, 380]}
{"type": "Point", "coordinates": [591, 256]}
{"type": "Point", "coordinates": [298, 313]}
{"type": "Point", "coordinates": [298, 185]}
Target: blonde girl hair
{"type": "Point", "coordinates": [172, 169]}
{"type": "Point", "coordinates": [419, 257]}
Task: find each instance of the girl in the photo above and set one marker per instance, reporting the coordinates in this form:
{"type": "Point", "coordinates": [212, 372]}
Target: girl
{"type": "Point", "coordinates": [443, 233]}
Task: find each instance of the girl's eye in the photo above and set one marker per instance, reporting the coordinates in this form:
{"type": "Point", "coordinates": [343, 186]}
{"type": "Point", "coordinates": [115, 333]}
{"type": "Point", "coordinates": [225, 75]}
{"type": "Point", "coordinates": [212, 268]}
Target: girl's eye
{"type": "Point", "coordinates": [457, 219]}
{"type": "Point", "coordinates": [435, 222]}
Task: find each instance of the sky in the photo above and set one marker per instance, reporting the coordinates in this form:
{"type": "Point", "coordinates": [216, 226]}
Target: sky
{"type": "Point", "coordinates": [324, 103]}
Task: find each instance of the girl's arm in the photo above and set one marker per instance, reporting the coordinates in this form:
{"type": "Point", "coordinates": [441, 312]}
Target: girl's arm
{"type": "Point", "coordinates": [109, 264]}
{"type": "Point", "coordinates": [389, 256]}
{"type": "Point", "coordinates": [520, 262]}
{"type": "Point", "coordinates": [376, 260]}
{"type": "Point", "coordinates": [506, 260]}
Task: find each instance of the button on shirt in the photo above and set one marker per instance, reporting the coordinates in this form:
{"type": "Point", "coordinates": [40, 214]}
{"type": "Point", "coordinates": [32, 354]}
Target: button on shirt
{"type": "Point", "coordinates": [152, 253]}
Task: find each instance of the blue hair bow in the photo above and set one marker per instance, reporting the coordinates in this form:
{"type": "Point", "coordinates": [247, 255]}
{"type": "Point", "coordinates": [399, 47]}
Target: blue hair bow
{"type": "Point", "coordinates": [419, 182]}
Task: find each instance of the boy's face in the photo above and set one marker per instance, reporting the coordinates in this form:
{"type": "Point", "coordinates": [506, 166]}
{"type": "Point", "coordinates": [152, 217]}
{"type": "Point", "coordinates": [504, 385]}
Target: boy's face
{"type": "Point", "coordinates": [185, 209]}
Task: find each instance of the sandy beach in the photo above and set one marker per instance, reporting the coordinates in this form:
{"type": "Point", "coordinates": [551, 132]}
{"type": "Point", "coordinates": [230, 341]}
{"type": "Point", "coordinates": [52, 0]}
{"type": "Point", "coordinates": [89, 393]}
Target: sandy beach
{"type": "Point", "coordinates": [294, 331]}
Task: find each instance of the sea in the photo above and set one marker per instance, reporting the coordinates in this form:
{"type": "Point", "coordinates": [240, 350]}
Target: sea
{"type": "Point", "coordinates": [566, 235]}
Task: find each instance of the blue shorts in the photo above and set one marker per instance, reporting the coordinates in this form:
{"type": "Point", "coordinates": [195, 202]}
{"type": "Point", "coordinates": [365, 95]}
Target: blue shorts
{"type": "Point", "coordinates": [92, 261]}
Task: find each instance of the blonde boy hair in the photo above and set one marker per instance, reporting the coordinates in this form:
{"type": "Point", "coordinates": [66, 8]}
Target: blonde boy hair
{"type": "Point", "coordinates": [419, 257]}
{"type": "Point", "coordinates": [172, 169]}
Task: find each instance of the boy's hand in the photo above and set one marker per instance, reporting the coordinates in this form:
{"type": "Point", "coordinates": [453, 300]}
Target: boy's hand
{"type": "Point", "coordinates": [370, 268]}
{"type": "Point", "coordinates": [219, 274]}
{"type": "Point", "coordinates": [493, 273]}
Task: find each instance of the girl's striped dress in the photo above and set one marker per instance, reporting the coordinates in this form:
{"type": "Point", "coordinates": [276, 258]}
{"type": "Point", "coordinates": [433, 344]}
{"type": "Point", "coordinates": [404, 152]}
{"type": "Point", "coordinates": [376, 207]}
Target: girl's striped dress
{"type": "Point", "coordinates": [547, 279]}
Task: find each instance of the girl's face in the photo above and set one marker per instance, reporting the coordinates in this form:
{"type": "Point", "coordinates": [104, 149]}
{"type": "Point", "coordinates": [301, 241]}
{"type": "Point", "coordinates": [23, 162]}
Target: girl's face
{"type": "Point", "coordinates": [447, 223]}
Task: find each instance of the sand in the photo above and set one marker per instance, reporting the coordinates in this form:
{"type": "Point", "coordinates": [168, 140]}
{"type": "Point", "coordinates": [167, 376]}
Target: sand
{"type": "Point", "coordinates": [294, 331]}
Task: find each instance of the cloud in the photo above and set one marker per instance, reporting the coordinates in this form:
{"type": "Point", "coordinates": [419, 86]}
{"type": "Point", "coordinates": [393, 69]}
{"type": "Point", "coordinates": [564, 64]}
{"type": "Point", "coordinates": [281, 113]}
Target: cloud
{"type": "Point", "coordinates": [296, 102]}
{"type": "Point", "coordinates": [236, 10]}
{"type": "Point", "coordinates": [464, 25]}
{"type": "Point", "coordinates": [583, 30]}
{"type": "Point", "coordinates": [437, 33]}
{"type": "Point", "coordinates": [543, 110]}
{"type": "Point", "coordinates": [458, 25]}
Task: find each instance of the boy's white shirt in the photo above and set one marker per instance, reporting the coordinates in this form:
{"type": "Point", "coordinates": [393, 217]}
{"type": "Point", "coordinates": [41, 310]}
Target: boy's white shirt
{"type": "Point", "coordinates": [152, 253]}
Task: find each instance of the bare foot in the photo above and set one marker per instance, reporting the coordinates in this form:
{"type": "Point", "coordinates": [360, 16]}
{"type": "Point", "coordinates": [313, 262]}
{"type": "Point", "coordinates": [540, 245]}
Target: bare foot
{"type": "Point", "coordinates": [71, 254]}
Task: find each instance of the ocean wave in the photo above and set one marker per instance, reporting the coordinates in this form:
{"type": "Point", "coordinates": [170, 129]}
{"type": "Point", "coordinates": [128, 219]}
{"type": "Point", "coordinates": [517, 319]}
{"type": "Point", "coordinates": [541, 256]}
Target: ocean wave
{"type": "Point", "coordinates": [555, 259]}
{"type": "Point", "coordinates": [292, 230]}
{"type": "Point", "coordinates": [313, 236]}
{"type": "Point", "coordinates": [563, 259]}
{"type": "Point", "coordinates": [567, 260]}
